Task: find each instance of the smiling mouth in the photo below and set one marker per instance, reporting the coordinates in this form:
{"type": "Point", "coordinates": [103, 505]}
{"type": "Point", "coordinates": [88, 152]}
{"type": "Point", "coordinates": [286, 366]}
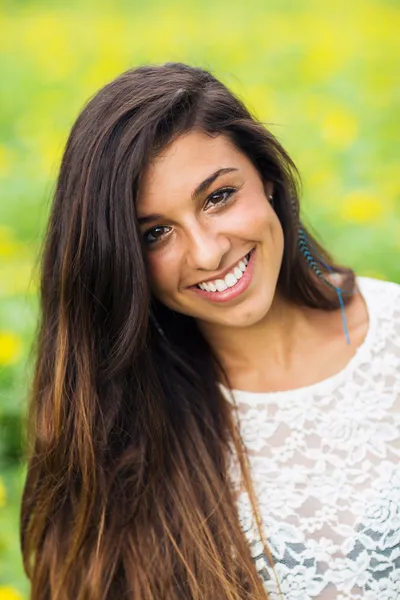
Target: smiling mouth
{"type": "Point", "coordinates": [229, 280]}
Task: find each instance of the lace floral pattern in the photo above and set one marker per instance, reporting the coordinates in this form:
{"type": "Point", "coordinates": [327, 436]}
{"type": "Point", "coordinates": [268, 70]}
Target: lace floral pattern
{"type": "Point", "coordinates": [325, 462]}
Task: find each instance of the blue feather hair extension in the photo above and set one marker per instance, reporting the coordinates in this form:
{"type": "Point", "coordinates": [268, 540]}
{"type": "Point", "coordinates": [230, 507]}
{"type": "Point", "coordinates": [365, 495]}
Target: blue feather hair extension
{"type": "Point", "coordinates": [304, 243]}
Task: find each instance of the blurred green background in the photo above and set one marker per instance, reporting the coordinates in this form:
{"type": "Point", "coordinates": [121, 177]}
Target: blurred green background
{"type": "Point", "coordinates": [324, 78]}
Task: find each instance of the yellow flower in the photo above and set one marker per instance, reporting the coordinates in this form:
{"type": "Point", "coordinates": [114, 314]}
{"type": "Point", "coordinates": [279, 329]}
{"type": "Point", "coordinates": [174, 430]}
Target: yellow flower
{"type": "Point", "coordinates": [260, 99]}
{"type": "Point", "coordinates": [9, 593]}
{"type": "Point", "coordinates": [339, 127]}
{"type": "Point", "coordinates": [50, 149]}
{"type": "Point", "coordinates": [46, 37]}
{"type": "Point", "coordinates": [18, 277]}
{"type": "Point", "coordinates": [362, 207]}
{"type": "Point", "coordinates": [323, 57]}
{"type": "Point", "coordinates": [9, 246]}
{"type": "Point", "coordinates": [2, 494]}
{"type": "Point", "coordinates": [10, 348]}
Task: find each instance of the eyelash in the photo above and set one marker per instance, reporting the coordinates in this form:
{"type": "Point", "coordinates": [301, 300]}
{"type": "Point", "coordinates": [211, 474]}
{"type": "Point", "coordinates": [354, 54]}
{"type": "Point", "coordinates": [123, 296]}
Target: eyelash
{"type": "Point", "coordinates": [228, 190]}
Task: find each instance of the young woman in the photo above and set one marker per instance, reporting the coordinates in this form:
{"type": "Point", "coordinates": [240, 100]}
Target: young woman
{"type": "Point", "coordinates": [215, 407]}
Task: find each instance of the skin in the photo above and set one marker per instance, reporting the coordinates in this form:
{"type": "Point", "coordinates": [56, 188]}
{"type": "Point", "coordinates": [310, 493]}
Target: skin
{"type": "Point", "coordinates": [263, 341]}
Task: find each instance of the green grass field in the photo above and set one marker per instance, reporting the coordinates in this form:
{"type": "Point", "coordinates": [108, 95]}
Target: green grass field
{"type": "Point", "coordinates": [323, 78]}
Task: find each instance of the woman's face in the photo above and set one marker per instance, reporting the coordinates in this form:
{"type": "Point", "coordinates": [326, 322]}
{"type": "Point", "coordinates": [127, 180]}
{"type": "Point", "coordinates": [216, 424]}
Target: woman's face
{"type": "Point", "coordinates": [203, 208]}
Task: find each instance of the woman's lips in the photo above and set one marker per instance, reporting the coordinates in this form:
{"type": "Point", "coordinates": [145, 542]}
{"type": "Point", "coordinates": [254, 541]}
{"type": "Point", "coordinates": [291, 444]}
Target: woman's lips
{"type": "Point", "coordinates": [234, 291]}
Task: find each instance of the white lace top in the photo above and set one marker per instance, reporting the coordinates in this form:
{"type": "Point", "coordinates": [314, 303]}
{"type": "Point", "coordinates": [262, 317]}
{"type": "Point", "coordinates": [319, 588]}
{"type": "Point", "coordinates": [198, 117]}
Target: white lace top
{"type": "Point", "coordinates": [325, 463]}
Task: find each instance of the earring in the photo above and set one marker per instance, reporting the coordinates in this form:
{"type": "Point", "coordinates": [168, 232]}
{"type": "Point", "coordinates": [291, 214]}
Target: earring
{"type": "Point", "coordinates": [271, 199]}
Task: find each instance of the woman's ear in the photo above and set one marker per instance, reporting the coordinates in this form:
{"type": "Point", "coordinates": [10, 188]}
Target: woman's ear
{"type": "Point", "coordinates": [269, 188]}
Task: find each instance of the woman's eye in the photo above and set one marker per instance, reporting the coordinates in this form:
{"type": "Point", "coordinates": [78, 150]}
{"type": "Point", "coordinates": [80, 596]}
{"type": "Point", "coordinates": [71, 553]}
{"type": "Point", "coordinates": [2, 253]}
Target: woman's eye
{"type": "Point", "coordinates": [220, 196]}
{"type": "Point", "coordinates": [152, 236]}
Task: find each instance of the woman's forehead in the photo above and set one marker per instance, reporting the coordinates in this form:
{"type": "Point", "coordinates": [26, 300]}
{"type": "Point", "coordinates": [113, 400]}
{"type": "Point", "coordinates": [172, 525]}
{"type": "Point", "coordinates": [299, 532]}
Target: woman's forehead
{"type": "Point", "coordinates": [186, 162]}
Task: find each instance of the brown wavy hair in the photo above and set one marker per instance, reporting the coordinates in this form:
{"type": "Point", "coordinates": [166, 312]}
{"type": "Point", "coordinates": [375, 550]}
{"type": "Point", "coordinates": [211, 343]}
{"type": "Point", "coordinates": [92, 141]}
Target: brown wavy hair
{"type": "Point", "coordinates": [129, 438]}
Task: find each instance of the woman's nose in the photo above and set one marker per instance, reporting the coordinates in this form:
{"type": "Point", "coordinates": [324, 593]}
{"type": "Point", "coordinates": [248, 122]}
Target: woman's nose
{"type": "Point", "coordinates": [206, 249]}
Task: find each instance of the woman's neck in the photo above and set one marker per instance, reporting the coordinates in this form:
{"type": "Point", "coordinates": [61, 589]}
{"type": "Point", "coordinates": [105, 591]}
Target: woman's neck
{"type": "Point", "coordinates": [273, 342]}
{"type": "Point", "coordinates": [291, 347]}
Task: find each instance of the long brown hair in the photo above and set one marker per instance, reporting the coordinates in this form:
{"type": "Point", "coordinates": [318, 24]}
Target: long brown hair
{"type": "Point", "coordinates": [128, 493]}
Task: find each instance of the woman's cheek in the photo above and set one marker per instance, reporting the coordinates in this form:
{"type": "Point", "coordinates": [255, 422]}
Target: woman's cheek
{"type": "Point", "coordinates": [155, 270]}
{"type": "Point", "coordinates": [161, 273]}
{"type": "Point", "coordinates": [251, 217]}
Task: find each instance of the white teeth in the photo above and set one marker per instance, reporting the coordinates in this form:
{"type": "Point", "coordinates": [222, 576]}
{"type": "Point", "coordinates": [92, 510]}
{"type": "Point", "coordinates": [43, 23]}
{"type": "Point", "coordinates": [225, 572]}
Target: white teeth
{"type": "Point", "coordinates": [230, 280]}
{"type": "Point", "coordinates": [221, 285]}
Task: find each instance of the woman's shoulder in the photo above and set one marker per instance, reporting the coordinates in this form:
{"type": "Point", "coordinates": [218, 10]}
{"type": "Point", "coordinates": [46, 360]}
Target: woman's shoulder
{"type": "Point", "coordinates": [382, 298]}
{"type": "Point", "coordinates": [381, 292]}
{"type": "Point", "coordinates": [378, 282]}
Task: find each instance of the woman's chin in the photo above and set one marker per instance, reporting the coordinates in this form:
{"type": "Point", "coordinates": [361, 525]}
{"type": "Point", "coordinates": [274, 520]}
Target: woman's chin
{"type": "Point", "coordinates": [245, 315]}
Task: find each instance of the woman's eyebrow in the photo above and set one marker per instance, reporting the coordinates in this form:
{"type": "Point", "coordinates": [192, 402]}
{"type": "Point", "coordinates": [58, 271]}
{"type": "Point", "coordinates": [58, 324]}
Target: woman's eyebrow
{"type": "Point", "coordinates": [149, 218]}
{"type": "Point", "coordinates": [199, 190]}
{"type": "Point", "coordinates": [204, 185]}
